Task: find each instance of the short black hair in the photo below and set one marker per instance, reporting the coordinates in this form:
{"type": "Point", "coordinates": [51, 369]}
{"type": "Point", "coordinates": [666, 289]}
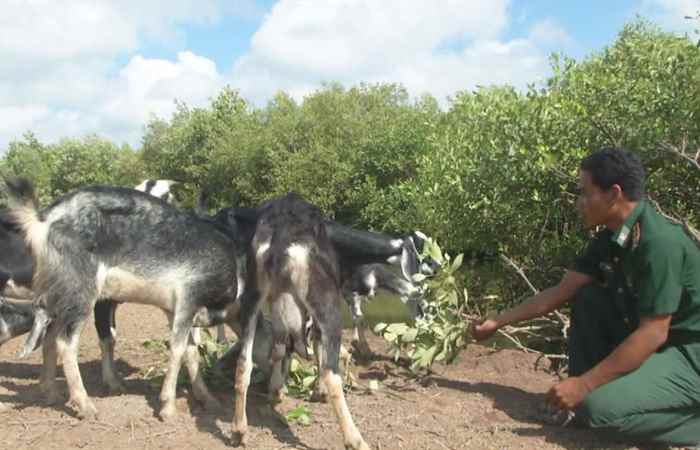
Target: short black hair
{"type": "Point", "coordinates": [614, 165]}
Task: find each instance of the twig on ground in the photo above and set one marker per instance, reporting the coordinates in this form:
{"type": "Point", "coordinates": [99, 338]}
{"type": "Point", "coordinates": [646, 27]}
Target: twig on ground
{"type": "Point", "coordinates": [155, 435]}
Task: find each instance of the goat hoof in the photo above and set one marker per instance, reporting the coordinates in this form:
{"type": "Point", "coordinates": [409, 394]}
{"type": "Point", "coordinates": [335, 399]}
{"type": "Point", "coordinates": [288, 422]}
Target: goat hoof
{"type": "Point", "coordinates": [362, 445]}
{"type": "Point", "coordinates": [239, 438]}
{"type": "Point", "coordinates": [115, 387]}
{"type": "Point", "coordinates": [167, 412]}
{"type": "Point", "coordinates": [86, 411]}
{"type": "Point", "coordinates": [51, 396]}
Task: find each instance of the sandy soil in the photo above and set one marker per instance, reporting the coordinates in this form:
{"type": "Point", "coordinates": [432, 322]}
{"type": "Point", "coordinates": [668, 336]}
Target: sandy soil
{"type": "Point", "coordinates": [486, 400]}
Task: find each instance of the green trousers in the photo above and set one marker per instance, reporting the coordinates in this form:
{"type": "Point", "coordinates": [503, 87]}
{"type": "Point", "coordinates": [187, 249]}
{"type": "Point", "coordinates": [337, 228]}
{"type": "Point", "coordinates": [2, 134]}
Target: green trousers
{"type": "Point", "coordinates": [658, 402]}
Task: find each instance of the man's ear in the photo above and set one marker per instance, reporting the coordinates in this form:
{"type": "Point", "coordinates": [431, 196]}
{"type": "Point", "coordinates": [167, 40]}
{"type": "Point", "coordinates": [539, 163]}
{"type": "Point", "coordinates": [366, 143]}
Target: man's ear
{"type": "Point", "coordinates": [616, 192]}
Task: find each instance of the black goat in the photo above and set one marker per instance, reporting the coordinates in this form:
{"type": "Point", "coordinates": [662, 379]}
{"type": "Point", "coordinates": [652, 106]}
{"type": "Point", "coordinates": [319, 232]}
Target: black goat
{"type": "Point", "coordinates": [114, 243]}
{"type": "Point", "coordinates": [293, 268]}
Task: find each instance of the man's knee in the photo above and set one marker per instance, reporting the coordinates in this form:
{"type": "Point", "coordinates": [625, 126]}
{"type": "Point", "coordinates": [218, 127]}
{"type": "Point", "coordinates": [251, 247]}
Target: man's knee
{"type": "Point", "coordinates": [600, 410]}
{"type": "Point", "coordinates": [593, 412]}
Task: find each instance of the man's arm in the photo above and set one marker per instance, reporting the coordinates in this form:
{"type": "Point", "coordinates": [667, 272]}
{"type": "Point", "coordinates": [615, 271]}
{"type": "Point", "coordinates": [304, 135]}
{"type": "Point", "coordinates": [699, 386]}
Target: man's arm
{"type": "Point", "coordinates": [538, 305]}
{"type": "Point", "coordinates": [628, 356]}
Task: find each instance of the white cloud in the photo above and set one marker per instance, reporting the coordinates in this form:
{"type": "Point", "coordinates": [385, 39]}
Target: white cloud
{"type": "Point", "coordinates": [435, 47]}
{"type": "Point", "coordinates": [120, 106]}
{"type": "Point", "coordinates": [671, 14]}
{"type": "Point", "coordinates": [548, 31]}
{"type": "Point", "coordinates": [150, 86]}
{"type": "Point", "coordinates": [14, 118]}
{"type": "Point", "coordinates": [38, 33]}
{"type": "Point", "coordinates": [59, 74]}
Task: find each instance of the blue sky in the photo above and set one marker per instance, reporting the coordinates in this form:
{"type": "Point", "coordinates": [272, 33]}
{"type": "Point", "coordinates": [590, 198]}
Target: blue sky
{"type": "Point", "coordinates": [82, 67]}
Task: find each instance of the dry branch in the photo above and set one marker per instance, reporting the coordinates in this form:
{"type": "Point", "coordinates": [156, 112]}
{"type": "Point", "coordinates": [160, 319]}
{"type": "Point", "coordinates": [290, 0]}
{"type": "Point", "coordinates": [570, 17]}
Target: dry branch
{"type": "Point", "coordinates": [692, 232]}
{"type": "Point", "coordinates": [558, 320]}
{"type": "Point", "coordinates": [682, 152]}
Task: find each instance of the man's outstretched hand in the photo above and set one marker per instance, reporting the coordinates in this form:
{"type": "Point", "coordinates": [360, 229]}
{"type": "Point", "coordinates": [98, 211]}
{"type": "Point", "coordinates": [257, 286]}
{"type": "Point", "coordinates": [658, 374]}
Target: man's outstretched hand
{"type": "Point", "coordinates": [484, 330]}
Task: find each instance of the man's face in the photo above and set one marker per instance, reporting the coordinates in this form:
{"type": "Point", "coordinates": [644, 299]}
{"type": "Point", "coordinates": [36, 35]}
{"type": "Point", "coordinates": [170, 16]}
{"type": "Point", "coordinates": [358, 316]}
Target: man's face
{"type": "Point", "coordinates": [594, 204]}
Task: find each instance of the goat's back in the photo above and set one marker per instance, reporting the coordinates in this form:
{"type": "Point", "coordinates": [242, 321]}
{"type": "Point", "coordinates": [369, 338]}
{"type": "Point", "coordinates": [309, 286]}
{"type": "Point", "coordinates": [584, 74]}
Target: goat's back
{"type": "Point", "coordinates": [135, 232]}
{"type": "Point", "coordinates": [292, 234]}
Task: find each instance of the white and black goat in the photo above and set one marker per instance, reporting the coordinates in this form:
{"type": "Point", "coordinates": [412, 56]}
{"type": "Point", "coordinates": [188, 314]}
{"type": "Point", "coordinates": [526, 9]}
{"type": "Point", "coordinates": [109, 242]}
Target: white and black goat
{"type": "Point", "coordinates": [16, 272]}
{"type": "Point", "coordinates": [361, 256]}
{"type": "Point", "coordinates": [101, 243]}
{"type": "Point", "coordinates": [105, 311]}
{"type": "Point", "coordinates": [293, 269]}
{"type": "Point", "coordinates": [159, 188]}
{"type": "Point", "coordinates": [239, 224]}
{"type": "Point", "coordinates": [16, 265]}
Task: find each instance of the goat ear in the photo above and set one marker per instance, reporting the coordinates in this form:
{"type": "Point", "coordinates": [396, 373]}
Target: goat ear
{"type": "Point", "coordinates": [419, 238]}
{"type": "Point", "coordinates": [409, 259]}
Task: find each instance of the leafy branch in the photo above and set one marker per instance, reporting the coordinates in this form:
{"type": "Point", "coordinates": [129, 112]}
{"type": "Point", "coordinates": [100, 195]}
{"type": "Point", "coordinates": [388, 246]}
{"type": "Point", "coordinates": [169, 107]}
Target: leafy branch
{"type": "Point", "coordinates": [444, 329]}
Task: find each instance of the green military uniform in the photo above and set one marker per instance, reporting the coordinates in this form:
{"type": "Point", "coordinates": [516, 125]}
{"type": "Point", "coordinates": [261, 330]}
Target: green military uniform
{"type": "Point", "coordinates": [649, 266]}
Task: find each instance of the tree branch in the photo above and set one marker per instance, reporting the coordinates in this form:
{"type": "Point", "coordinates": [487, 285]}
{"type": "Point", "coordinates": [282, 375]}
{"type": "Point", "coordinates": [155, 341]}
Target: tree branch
{"type": "Point", "coordinates": [682, 152]}
{"type": "Point", "coordinates": [561, 321]}
{"type": "Point", "coordinates": [692, 232]}
{"type": "Point", "coordinates": [519, 271]}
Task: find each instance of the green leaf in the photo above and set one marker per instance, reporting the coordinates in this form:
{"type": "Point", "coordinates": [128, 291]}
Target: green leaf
{"type": "Point", "coordinates": [378, 328]}
{"type": "Point", "coordinates": [418, 277]}
{"type": "Point", "coordinates": [457, 263]}
{"type": "Point", "coordinates": [427, 358]}
{"type": "Point", "coordinates": [294, 365]}
{"type": "Point", "coordinates": [308, 381]}
{"type": "Point", "coordinates": [409, 335]}
{"type": "Point", "coordinates": [299, 414]}
{"type": "Point", "coordinates": [396, 329]}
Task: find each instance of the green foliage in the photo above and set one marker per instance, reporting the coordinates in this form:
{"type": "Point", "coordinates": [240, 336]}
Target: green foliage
{"type": "Point", "coordinates": [301, 414]}
{"type": "Point", "coordinates": [302, 378]}
{"type": "Point", "coordinates": [59, 168]}
{"type": "Point", "coordinates": [444, 329]}
{"type": "Point", "coordinates": [495, 172]}
{"type": "Point", "coordinates": [209, 351]}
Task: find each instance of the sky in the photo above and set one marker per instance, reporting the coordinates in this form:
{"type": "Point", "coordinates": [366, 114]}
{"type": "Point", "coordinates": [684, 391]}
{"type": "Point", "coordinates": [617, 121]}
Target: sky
{"type": "Point", "coordinates": [72, 68]}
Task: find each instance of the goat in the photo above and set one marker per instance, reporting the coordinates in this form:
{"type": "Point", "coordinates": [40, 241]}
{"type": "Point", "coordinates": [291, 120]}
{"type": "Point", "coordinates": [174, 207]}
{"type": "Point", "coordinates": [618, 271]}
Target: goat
{"type": "Point", "coordinates": [360, 253]}
{"type": "Point", "coordinates": [158, 188]}
{"type": "Point", "coordinates": [16, 265]}
{"type": "Point", "coordinates": [99, 243]}
{"type": "Point", "coordinates": [363, 285]}
{"type": "Point", "coordinates": [16, 271]}
{"type": "Point", "coordinates": [239, 224]}
{"type": "Point", "coordinates": [105, 311]}
{"type": "Point", "coordinates": [293, 268]}
{"type": "Point", "coordinates": [16, 318]}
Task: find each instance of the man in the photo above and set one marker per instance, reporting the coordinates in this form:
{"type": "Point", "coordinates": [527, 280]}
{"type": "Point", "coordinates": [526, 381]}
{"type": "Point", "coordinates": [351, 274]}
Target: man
{"type": "Point", "coordinates": [634, 346]}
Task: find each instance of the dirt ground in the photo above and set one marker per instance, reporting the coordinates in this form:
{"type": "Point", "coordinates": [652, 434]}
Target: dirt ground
{"type": "Point", "coordinates": [487, 400]}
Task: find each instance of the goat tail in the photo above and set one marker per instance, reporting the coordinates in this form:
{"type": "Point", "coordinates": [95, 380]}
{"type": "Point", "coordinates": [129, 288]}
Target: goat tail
{"type": "Point", "coordinates": [21, 193]}
{"type": "Point", "coordinates": [298, 266]}
{"type": "Point", "coordinates": [24, 208]}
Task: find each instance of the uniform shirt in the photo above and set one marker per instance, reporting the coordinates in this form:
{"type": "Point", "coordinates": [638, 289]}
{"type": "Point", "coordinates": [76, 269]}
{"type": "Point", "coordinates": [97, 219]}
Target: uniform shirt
{"type": "Point", "coordinates": [652, 267]}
